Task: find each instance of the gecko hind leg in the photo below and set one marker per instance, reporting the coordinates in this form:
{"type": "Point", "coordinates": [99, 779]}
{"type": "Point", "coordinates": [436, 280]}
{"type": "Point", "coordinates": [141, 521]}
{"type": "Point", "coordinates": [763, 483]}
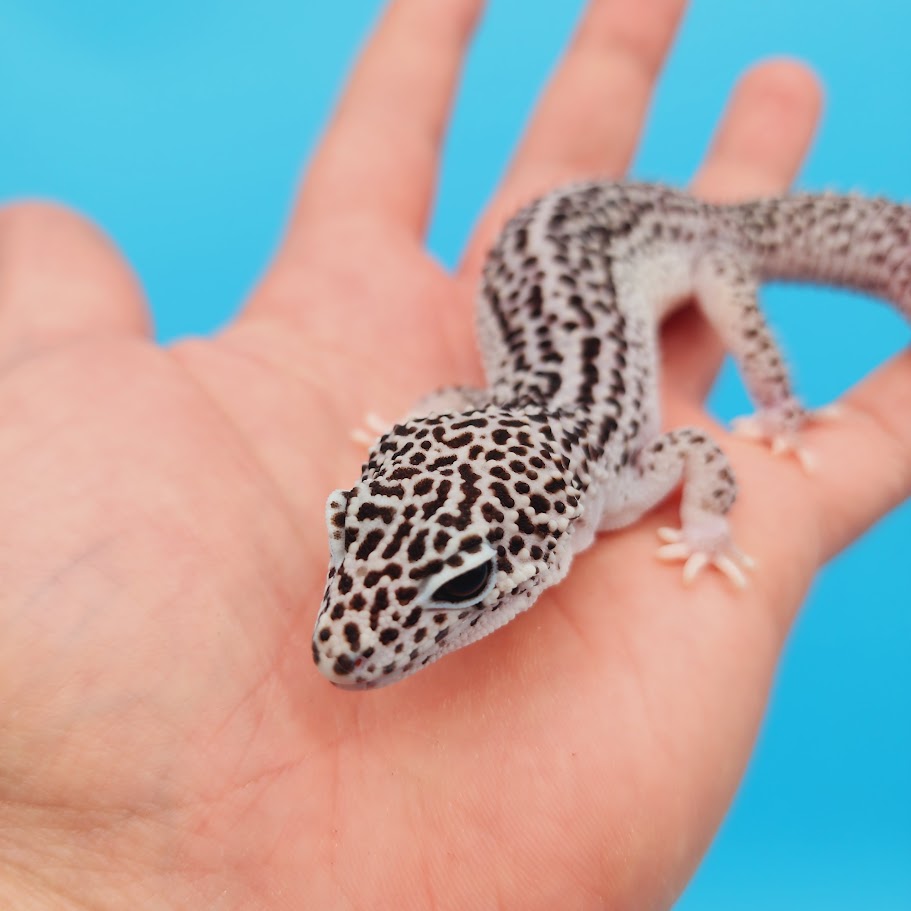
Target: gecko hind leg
{"type": "Point", "coordinates": [764, 427]}
{"type": "Point", "coordinates": [727, 293]}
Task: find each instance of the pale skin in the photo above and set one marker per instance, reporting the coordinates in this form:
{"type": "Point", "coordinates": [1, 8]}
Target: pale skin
{"type": "Point", "coordinates": [167, 741]}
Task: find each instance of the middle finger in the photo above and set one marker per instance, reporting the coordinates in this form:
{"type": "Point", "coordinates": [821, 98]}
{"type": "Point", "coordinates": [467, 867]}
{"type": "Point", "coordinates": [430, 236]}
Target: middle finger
{"type": "Point", "coordinates": [589, 119]}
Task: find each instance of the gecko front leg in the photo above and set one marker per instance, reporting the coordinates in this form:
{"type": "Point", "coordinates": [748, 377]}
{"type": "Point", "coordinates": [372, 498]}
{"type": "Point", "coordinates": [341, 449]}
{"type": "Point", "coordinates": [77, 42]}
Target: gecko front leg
{"type": "Point", "coordinates": [448, 400]}
{"type": "Point", "coordinates": [689, 456]}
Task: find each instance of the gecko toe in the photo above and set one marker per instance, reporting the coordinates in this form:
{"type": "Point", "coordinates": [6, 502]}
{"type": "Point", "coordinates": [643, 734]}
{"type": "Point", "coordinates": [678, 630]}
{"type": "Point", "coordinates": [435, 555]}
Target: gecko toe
{"type": "Point", "coordinates": [672, 553]}
{"type": "Point", "coordinates": [695, 563]}
{"type": "Point", "coordinates": [780, 430]}
{"type": "Point", "coordinates": [729, 568]}
{"type": "Point", "coordinates": [696, 553]}
{"type": "Point", "coordinates": [372, 428]}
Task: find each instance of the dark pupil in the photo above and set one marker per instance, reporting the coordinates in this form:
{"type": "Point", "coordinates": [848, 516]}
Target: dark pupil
{"type": "Point", "coordinates": [463, 588]}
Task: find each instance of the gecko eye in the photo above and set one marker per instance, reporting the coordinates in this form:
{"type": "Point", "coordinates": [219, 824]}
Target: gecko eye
{"type": "Point", "coordinates": [469, 586]}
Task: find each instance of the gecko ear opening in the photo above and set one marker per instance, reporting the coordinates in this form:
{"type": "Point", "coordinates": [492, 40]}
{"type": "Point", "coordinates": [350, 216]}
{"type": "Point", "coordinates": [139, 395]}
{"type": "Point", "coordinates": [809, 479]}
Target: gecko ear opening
{"type": "Point", "coordinates": [336, 507]}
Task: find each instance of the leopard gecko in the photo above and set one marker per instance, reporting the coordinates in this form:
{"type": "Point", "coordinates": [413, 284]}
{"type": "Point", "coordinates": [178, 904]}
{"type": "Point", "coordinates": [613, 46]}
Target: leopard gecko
{"type": "Point", "coordinates": [477, 502]}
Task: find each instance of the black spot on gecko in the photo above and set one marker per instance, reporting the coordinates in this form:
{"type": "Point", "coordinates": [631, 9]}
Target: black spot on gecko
{"type": "Point", "coordinates": [456, 442]}
{"type": "Point", "coordinates": [368, 511]}
{"type": "Point", "coordinates": [470, 422]}
{"type": "Point", "coordinates": [370, 543]}
{"type": "Point", "coordinates": [379, 489]}
{"type": "Point", "coordinates": [578, 304]}
{"type": "Point", "coordinates": [434, 506]}
{"type": "Point", "coordinates": [491, 514]}
{"type": "Point", "coordinates": [372, 579]}
{"type": "Point", "coordinates": [380, 603]}
{"type": "Point", "coordinates": [499, 490]}
{"type": "Point", "coordinates": [526, 526]}
{"type": "Point", "coordinates": [403, 473]}
{"type": "Point", "coordinates": [428, 569]}
{"type": "Point", "coordinates": [353, 635]}
{"type": "Point", "coordinates": [442, 462]}
{"type": "Point", "coordinates": [412, 618]}
{"type": "Point", "coordinates": [401, 533]}
{"type": "Point", "coordinates": [417, 546]}
{"type": "Point", "coordinates": [406, 594]}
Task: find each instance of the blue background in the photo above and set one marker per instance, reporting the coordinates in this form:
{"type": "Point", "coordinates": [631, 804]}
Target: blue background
{"type": "Point", "coordinates": [181, 127]}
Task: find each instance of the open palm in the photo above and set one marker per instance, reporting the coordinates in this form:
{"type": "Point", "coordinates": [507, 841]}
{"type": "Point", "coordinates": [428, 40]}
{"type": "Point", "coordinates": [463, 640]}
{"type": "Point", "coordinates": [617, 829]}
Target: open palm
{"type": "Point", "coordinates": [167, 740]}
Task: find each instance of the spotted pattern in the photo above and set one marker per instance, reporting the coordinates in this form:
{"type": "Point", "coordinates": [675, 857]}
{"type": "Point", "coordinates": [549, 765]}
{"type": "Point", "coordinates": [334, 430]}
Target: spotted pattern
{"type": "Point", "coordinates": [508, 483]}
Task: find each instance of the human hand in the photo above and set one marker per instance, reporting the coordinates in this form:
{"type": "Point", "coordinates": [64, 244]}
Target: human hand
{"type": "Point", "coordinates": [168, 742]}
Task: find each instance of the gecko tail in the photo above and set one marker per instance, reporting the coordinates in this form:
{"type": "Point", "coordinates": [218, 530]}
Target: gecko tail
{"type": "Point", "coordinates": [847, 241]}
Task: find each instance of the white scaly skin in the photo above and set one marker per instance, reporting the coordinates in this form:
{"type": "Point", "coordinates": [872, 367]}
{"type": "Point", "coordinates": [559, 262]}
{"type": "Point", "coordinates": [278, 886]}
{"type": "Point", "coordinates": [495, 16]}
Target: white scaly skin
{"type": "Point", "coordinates": [465, 513]}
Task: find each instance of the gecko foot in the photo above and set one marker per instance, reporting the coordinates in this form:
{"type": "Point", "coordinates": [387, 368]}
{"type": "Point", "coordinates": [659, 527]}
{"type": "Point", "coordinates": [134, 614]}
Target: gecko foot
{"type": "Point", "coordinates": [697, 551]}
{"type": "Point", "coordinates": [780, 427]}
{"type": "Point", "coordinates": [371, 430]}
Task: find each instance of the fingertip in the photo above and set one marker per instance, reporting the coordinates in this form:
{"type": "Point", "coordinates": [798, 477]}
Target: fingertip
{"type": "Point", "coordinates": [765, 132]}
{"type": "Point", "coordinates": [789, 82]}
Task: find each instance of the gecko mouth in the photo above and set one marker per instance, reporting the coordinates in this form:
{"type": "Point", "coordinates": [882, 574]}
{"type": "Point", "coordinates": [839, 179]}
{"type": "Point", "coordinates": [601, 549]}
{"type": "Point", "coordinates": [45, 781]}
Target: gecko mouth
{"type": "Point", "coordinates": [350, 672]}
{"type": "Point", "coordinates": [358, 685]}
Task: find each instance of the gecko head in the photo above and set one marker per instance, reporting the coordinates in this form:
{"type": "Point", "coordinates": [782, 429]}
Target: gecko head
{"type": "Point", "coordinates": [457, 524]}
